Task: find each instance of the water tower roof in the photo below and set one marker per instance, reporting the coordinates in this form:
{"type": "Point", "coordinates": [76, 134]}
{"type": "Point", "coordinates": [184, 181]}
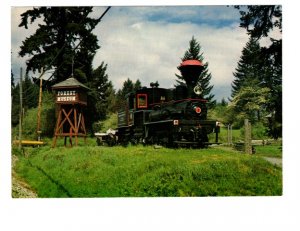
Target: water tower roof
{"type": "Point", "coordinates": [70, 83]}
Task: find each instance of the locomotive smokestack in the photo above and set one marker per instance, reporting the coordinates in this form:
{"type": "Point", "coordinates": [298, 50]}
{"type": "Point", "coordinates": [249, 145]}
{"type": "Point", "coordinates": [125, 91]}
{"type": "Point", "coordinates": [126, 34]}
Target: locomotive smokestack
{"type": "Point", "coordinates": [190, 71]}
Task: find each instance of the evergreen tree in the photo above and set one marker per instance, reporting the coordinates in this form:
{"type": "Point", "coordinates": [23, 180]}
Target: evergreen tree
{"type": "Point", "coordinates": [259, 22]}
{"type": "Point", "coordinates": [223, 102]}
{"type": "Point", "coordinates": [194, 52]}
{"type": "Point", "coordinates": [137, 85]}
{"type": "Point", "coordinates": [122, 93]}
{"type": "Point", "coordinates": [52, 45]}
{"type": "Point", "coordinates": [66, 44]}
{"type": "Point", "coordinates": [15, 105]}
{"type": "Point", "coordinates": [98, 94]}
{"type": "Point", "coordinates": [128, 87]}
{"type": "Point", "coordinates": [111, 98]}
{"type": "Point", "coordinates": [249, 67]}
{"type": "Point", "coordinates": [30, 98]}
{"type": "Point", "coordinates": [30, 93]}
{"type": "Point", "coordinates": [12, 80]}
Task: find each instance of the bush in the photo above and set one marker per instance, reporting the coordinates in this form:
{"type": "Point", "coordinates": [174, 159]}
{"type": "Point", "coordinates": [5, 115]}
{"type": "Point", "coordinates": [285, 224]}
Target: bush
{"type": "Point", "coordinates": [258, 131]}
{"type": "Point", "coordinates": [110, 122]}
{"type": "Point", "coordinates": [47, 122]}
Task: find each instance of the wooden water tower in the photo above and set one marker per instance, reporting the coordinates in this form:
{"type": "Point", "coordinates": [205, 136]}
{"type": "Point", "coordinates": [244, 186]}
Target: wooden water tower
{"type": "Point", "coordinates": [71, 98]}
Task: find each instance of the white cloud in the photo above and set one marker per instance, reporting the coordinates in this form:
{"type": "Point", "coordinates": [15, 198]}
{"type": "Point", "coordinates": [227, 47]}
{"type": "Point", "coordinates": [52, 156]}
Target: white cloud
{"type": "Point", "coordinates": [19, 34]}
{"type": "Point", "coordinates": [137, 48]}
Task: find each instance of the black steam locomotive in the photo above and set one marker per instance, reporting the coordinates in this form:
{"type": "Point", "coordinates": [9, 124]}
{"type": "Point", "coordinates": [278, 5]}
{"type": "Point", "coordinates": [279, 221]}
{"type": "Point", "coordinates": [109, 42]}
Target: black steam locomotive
{"type": "Point", "coordinates": [169, 117]}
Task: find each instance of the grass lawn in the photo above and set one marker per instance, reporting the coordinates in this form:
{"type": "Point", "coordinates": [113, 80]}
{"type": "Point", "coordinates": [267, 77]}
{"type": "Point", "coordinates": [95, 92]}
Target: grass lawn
{"type": "Point", "coordinates": [91, 171]}
{"type": "Point", "coordinates": [269, 151]}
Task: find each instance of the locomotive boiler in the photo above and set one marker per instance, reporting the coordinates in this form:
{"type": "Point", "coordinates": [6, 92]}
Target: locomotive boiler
{"type": "Point", "coordinates": [169, 117]}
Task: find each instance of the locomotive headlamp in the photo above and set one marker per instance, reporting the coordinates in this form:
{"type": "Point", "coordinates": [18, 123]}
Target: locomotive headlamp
{"type": "Point", "coordinates": [175, 122]}
{"type": "Point", "coordinates": [197, 109]}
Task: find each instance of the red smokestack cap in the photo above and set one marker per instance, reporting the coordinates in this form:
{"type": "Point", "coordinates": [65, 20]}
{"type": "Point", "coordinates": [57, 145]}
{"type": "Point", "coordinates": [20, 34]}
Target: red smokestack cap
{"type": "Point", "coordinates": [191, 70]}
{"type": "Point", "coordinates": [191, 62]}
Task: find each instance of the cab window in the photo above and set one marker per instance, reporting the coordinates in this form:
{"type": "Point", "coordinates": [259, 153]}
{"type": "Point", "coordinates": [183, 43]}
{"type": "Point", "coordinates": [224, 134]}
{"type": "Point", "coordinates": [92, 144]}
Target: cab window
{"type": "Point", "coordinates": [142, 100]}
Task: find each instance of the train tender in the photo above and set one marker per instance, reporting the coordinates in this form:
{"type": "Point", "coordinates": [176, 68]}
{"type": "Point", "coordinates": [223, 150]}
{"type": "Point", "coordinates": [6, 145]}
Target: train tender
{"type": "Point", "coordinates": [169, 117]}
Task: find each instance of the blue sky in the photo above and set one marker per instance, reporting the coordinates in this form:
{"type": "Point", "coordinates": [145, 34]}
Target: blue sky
{"type": "Point", "coordinates": [147, 42]}
{"type": "Point", "coordinates": [217, 16]}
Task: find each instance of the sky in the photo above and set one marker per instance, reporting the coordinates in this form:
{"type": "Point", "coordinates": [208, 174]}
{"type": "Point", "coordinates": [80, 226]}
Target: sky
{"type": "Point", "coordinates": [148, 42]}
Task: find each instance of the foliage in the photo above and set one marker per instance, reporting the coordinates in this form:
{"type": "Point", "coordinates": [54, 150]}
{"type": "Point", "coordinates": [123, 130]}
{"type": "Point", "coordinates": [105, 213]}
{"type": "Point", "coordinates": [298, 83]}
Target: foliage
{"type": "Point", "coordinates": [47, 119]}
{"type": "Point", "coordinates": [259, 131]}
{"type": "Point", "coordinates": [65, 42]}
{"type": "Point", "coordinates": [30, 93]}
{"type": "Point", "coordinates": [110, 122]}
{"type": "Point", "coordinates": [12, 80]}
{"type": "Point", "coordinates": [99, 96]}
{"type": "Point", "coordinates": [249, 68]}
{"type": "Point", "coordinates": [52, 45]}
{"type": "Point", "coordinates": [144, 171]}
{"type": "Point", "coordinates": [253, 89]}
{"type": "Point", "coordinates": [128, 87]}
{"type": "Point", "coordinates": [194, 52]}
{"type": "Point", "coordinates": [218, 112]}
{"type": "Point", "coordinates": [260, 21]}
{"type": "Point", "coordinates": [248, 104]}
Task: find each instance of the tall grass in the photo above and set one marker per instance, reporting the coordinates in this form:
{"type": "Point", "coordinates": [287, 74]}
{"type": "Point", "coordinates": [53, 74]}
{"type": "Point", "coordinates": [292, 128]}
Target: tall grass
{"type": "Point", "coordinates": [147, 172]}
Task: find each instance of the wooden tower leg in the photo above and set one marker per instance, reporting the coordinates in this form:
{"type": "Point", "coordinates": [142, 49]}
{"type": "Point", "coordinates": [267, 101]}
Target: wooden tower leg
{"type": "Point", "coordinates": [83, 128]}
{"type": "Point", "coordinates": [70, 136]}
{"type": "Point", "coordinates": [57, 127]}
{"type": "Point", "coordinates": [76, 126]}
{"type": "Point", "coordinates": [69, 125]}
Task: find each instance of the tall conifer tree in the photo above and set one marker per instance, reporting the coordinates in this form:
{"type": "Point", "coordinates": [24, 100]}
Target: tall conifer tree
{"type": "Point", "coordinates": [64, 42]}
{"type": "Point", "coordinates": [260, 21]}
{"type": "Point", "coordinates": [52, 45]}
{"type": "Point", "coordinates": [249, 68]}
{"type": "Point", "coordinates": [99, 93]}
{"type": "Point", "coordinates": [194, 52]}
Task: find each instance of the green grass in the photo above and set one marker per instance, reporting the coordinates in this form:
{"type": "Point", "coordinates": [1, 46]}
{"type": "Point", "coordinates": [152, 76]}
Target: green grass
{"type": "Point", "coordinates": [91, 171]}
{"type": "Point", "coordinates": [269, 150]}
{"type": "Point", "coordinates": [223, 137]}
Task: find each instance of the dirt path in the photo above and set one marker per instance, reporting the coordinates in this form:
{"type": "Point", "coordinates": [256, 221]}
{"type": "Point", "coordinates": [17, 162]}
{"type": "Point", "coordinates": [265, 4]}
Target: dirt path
{"type": "Point", "coordinates": [20, 189]}
{"type": "Point", "coordinates": [273, 160]}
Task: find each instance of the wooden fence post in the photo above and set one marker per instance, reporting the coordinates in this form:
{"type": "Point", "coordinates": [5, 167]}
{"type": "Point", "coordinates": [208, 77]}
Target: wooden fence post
{"type": "Point", "coordinates": [229, 135]}
{"type": "Point", "coordinates": [248, 146]}
{"type": "Point", "coordinates": [21, 109]}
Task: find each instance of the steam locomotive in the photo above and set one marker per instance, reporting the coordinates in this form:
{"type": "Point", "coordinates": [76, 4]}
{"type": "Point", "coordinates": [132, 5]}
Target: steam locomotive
{"type": "Point", "coordinates": [169, 117]}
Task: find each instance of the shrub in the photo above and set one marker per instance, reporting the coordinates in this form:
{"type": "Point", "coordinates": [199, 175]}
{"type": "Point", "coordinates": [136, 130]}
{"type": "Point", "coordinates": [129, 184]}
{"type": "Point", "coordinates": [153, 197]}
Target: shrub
{"type": "Point", "coordinates": [47, 122]}
{"type": "Point", "coordinates": [258, 131]}
{"type": "Point", "coordinates": [110, 122]}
